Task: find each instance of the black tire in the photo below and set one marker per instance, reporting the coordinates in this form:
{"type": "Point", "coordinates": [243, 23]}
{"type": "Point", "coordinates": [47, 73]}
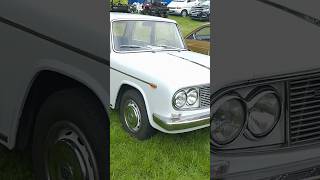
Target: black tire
{"type": "Point", "coordinates": [71, 122]}
{"type": "Point", "coordinates": [184, 13]}
{"type": "Point", "coordinates": [144, 130]}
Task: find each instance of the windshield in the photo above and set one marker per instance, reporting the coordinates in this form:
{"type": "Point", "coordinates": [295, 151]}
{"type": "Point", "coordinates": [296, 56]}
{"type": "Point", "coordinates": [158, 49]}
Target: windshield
{"type": "Point", "coordinates": [146, 35]}
{"type": "Point", "coordinates": [205, 3]}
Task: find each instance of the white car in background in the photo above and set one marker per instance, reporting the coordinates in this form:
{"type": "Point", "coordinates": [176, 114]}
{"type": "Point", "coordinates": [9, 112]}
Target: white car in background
{"type": "Point", "coordinates": [156, 83]}
{"type": "Point", "coordinates": [182, 7]}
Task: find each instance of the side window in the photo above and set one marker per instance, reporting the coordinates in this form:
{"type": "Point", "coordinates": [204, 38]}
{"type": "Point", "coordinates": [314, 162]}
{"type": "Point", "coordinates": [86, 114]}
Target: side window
{"type": "Point", "coordinates": [191, 36]}
{"type": "Point", "coordinates": [203, 34]}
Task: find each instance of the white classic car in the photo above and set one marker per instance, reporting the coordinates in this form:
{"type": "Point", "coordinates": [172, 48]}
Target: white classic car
{"type": "Point", "coordinates": [182, 7]}
{"type": "Point", "coordinates": [156, 83]}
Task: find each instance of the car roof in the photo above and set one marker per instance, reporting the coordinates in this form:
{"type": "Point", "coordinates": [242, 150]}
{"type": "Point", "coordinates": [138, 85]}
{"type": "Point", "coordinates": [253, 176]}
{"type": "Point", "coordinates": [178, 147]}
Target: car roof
{"type": "Point", "coordinates": [128, 16]}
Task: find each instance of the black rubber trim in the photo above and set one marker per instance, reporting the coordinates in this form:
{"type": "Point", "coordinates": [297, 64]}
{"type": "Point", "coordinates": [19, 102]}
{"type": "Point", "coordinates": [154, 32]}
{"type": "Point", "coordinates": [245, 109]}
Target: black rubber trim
{"type": "Point", "coordinates": [132, 76]}
{"type": "Point", "coordinates": [3, 137]}
{"type": "Point", "coordinates": [298, 14]}
{"type": "Point", "coordinates": [55, 41]}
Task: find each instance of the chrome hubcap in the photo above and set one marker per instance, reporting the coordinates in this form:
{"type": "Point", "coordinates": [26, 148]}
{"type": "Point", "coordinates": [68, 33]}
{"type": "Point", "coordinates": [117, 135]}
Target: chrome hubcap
{"type": "Point", "coordinates": [69, 159]}
{"type": "Point", "coordinates": [132, 116]}
{"type": "Point", "coordinates": [184, 14]}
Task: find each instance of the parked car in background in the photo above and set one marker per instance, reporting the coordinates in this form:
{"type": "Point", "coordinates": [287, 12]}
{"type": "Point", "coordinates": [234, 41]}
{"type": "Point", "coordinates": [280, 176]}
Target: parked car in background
{"type": "Point", "coordinates": [199, 40]}
{"type": "Point", "coordinates": [157, 84]}
{"type": "Point", "coordinates": [154, 8]}
{"type": "Point", "coordinates": [201, 12]}
{"type": "Point", "coordinates": [136, 8]}
{"type": "Point", "coordinates": [182, 7]}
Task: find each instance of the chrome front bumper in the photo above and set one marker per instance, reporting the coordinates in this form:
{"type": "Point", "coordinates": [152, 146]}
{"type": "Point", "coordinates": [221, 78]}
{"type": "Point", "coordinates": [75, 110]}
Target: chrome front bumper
{"type": "Point", "coordinates": [181, 123]}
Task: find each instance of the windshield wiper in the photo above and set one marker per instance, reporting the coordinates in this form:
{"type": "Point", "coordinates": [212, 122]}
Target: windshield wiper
{"type": "Point", "coordinates": [130, 46]}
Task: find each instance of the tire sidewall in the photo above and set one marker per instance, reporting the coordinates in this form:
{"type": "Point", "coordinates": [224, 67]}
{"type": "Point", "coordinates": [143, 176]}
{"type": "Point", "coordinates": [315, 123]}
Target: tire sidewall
{"type": "Point", "coordinates": [146, 130]}
{"type": "Point", "coordinates": [65, 106]}
{"type": "Point", "coordinates": [184, 13]}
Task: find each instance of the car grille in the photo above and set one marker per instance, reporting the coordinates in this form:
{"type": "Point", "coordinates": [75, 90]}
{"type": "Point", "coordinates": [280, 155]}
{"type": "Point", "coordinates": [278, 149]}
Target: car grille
{"type": "Point", "coordinates": [205, 96]}
{"type": "Point", "coordinates": [304, 109]}
{"type": "Point", "coordinates": [197, 9]}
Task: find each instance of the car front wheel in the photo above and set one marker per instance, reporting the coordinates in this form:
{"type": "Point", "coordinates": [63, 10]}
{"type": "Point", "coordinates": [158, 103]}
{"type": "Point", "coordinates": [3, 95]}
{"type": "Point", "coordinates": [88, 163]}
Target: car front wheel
{"type": "Point", "coordinates": [133, 115]}
{"type": "Point", "coordinates": [184, 13]}
{"type": "Point", "coordinates": [70, 138]}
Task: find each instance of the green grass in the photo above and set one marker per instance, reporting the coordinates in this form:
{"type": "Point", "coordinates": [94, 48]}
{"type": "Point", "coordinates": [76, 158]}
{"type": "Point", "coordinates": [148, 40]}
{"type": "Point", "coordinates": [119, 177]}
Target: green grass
{"type": "Point", "coordinates": [15, 165]}
{"type": "Point", "coordinates": [164, 156]}
{"type": "Point", "coordinates": [180, 156]}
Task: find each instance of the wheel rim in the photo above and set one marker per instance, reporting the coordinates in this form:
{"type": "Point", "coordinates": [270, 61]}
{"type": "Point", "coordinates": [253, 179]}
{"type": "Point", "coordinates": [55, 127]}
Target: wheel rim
{"type": "Point", "coordinates": [184, 13]}
{"type": "Point", "coordinates": [132, 116]}
{"type": "Point", "coordinates": [69, 158]}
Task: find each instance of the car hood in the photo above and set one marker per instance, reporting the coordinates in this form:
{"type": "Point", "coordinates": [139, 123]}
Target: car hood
{"type": "Point", "coordinates": [175, 4]}
{"type": "Point", "coordinates": [174, 69]}
{"type": "Point", "coordinates": [278, 43]}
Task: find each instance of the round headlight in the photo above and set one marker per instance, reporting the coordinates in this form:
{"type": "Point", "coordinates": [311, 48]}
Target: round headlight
{"type": "Point", "coordinates": [192, 96]}
{"type": "Point", "coordinates": [180, 99]}
{"type": "Point", "coordinates": [264, 114]}
{"type": "Point", "coordinates": [227, 121]}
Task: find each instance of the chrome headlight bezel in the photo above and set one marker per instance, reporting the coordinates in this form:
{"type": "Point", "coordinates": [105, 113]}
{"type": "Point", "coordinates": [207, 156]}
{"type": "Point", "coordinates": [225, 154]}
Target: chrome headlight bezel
{"type": "Point", "coordinates": [179, 94]}
{"type": "Point", "coordinates": [249, 96]}
{"type": "Point", "coordinates": [187, 106]}
{"type": "Point", "coordinates": [193, 93]}
{"type": "Point", "coordinates": [254, 98]}
{"type": "Point", "coordinates": [221, 102]}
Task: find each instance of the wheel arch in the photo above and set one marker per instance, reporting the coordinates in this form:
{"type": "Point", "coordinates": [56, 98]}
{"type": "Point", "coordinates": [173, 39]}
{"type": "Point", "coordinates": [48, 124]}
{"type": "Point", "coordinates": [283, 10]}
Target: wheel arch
{"type": "Point", "coordinates": [126, 86]}
{"type": "Point", "coordinates": [43, 84]}
{"type": "Point", "coordinates": [185, 11]}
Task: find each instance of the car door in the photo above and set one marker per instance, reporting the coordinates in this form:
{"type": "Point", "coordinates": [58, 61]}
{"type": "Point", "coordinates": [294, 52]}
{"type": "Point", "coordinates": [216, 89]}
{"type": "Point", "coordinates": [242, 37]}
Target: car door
{"type": "Point", "coordinates": [199, 40]}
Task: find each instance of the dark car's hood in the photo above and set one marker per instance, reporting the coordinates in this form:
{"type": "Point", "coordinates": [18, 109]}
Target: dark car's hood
{"type": "Point", "coordinates": [263, 40]}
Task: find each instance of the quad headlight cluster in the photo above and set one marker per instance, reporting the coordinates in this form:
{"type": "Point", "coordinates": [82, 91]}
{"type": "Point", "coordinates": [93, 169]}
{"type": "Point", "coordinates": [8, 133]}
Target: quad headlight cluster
{"type": "Point", "coordinates": [187, 98]}
{"type": "Point", "coordinates": [256, 115]}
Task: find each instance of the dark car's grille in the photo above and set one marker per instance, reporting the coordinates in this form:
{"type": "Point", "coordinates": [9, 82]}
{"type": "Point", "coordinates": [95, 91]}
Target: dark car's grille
{"type": "Point", "coordinates": [205, 96]}
{"type": "Point", "coordinates": [304, 109]}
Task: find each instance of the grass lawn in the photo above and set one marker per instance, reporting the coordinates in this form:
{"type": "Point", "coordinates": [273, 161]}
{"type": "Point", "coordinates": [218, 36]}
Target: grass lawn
{"type": "Point", "coordinates": [15, 165]}
{"type": "Point", "coordinates": [164, 156]}
{"type": "Point", "coordinates": [183, 156]}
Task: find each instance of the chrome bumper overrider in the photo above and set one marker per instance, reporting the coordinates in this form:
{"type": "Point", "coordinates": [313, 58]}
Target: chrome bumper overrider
{"type": "Point", "coordinates": [172, 124]}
